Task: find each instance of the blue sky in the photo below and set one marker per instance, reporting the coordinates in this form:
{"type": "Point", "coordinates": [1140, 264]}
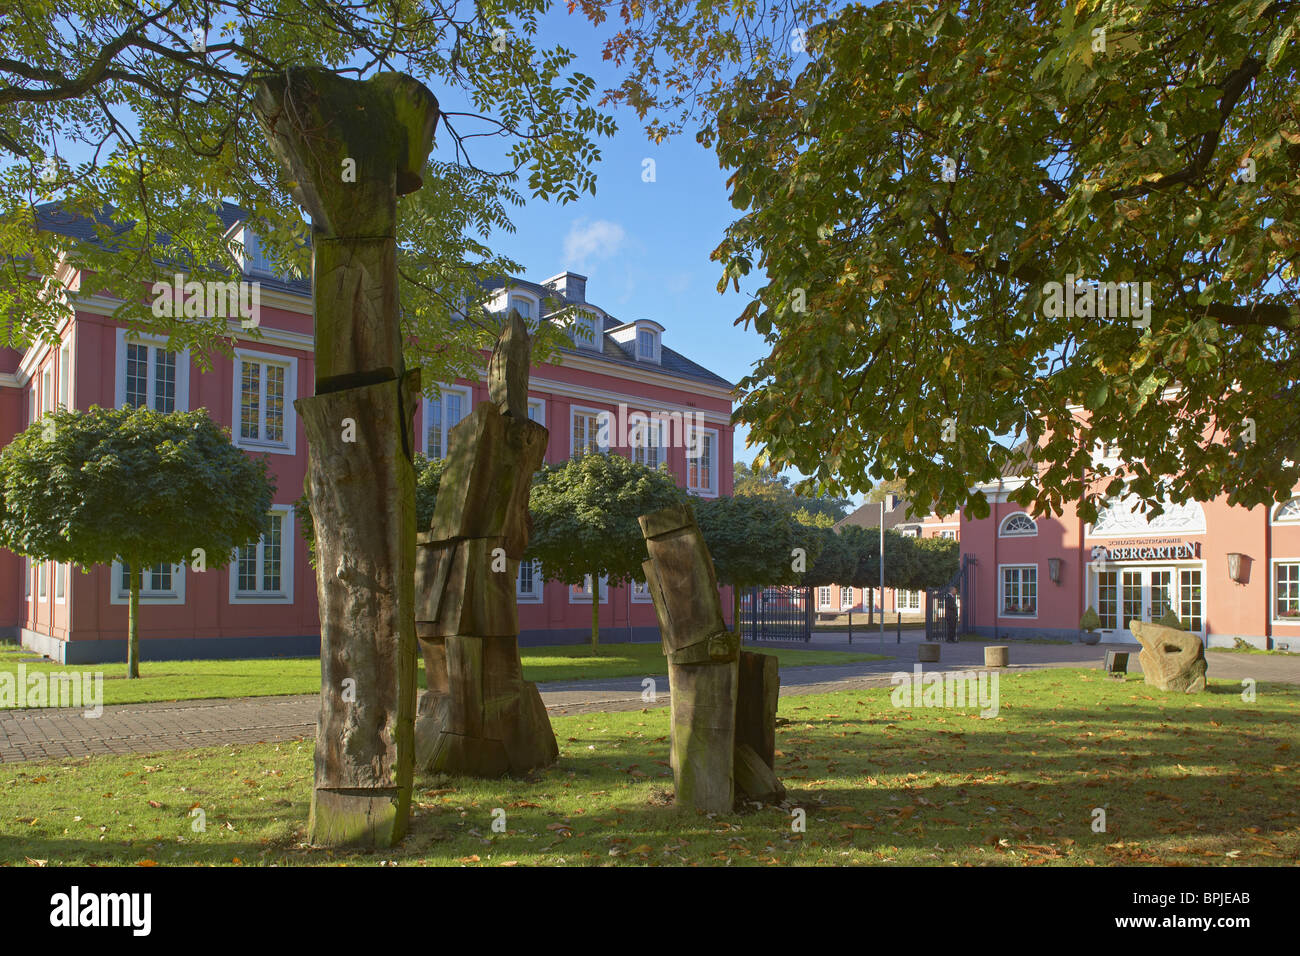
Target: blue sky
{"type": "Point", "coordinates": [644, 246]}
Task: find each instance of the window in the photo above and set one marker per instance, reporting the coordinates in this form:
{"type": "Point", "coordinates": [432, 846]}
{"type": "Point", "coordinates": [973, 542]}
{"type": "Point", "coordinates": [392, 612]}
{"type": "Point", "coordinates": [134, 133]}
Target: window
{"type": "Point", "coordinates": [702, 469]}
{"type": "Point", "coordinates": [526, 308]}
{"type": "Point", "coordinates": [528, 587]}
{"type": "Point", "coordinates": [150, 376]}
{"type": "Point", "coordinates": [1286, 592]}
{"type": "Point", "coordinates": [161, 584]}
{"type": "Point", "coordinates": [255, 257]}
{"type": "Point", "coordinates": [585, 333]}
{"type": "Point", "coordinates": [47, 390]}
{"type": "Point", "coordinates": [646, 440]}
{"type": "Point", "coordinates": [27, 578]}
{"type": "Point", "coordinates": [589, 431]}
{"type": "Point", "coordinates": [441, 415]}
{"type": "Point", "coordinates": [950, 535]}
{"type": "Point", "coordinates": [41, 586]}
{"type": "Point", "coordinates": [1288, 513]}
{"type": "Point", "coordinates": [1020, 591]}
{"type": "Point", "coordinates": [1190, 598]}
{"type": "Point", "coordinates": [265, 387]}
{"type": "Point", "coordinates": [537, 411]}
{"type": "Point", "coordinates": [824, 597]}
{"type": "Point", "coordinates": [908, 600]}
{"type": "Point", "coordinates": [641, 593]}
{"type": "Point", "coordinates": [1108, 599]}
{"type": "Point", "coordinates": [846, 598]}
{"type": "Point", "coordinates": [262, 570]}
{"type": "Point", "coordinates": [60, 583]}
{"type": "Point", "coordinates": [1018, 525]}
{"type": "Point", "coordinates": [65, 375]}
{"type": "Point", "coordinates": [581, 593]}
{"type": "Point", "coordinates": [647, 345]}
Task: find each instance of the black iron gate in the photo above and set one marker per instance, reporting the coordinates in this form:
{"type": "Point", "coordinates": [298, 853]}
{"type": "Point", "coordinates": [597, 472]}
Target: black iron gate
{"type": "Point", "coordinates": [936, 608]}
{"type": "Point", "coordinates": [776, 614]}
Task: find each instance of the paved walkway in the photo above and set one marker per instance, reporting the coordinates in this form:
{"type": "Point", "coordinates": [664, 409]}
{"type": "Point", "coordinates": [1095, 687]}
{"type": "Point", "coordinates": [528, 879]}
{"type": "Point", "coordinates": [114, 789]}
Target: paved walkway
{"type": "Point", "coordinates": [147, 728]}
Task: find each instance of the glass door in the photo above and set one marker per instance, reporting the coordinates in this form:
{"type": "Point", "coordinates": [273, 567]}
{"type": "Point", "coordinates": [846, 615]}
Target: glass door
{"type": "Point", "coordinates": [1135, 594]}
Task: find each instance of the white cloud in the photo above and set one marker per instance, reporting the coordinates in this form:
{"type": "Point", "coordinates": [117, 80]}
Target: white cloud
{"type": "Point", "coordinates": [588, 241]}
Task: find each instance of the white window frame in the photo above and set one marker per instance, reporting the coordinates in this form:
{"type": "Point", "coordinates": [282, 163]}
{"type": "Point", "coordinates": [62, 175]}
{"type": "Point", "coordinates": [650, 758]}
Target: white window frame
{"type": "Point", "coordinates": [950, 535]}
{"type": "Point", "coordinates": [28, 566]}
{"type": "Point", "coordinates": [715, 465]}
{"type": "Point", "coordinates": [584, 596]}
{"type": "Point", "coordinates": [61, 583]}
{"type": "Point", "coordinates": [153, 342]}
{"type": "Point", "coordinates": [254, 260]}
{"type": "Point", "coordinates": [655, 348]}
{"type": "Point", "coordinates": [846, 598]}
{"type": "Point", "coordinates": [641, 592]}
{"type": "Point", "coordinates": [824, 597]}
{"type": "Point", "coordinates": [1274, 519]}
{"type": "Point", "coordinates": [905, 600]}
{"type": "Point", "coordinates": [47, 389]}
{"type": "Point", "coordinates": [538, 592]}
{"type": "Point", "coordinates": [1002, 597]}
{"type": "Point", "coordinates": [515, 299]}
{"type": "Point", "coordinates": [426, 409]}
{"type": "Point", "coordinates": [1004, 533]}
{"type": "Point", "coordinates": [42, 585]}
{"type": "Point", "coordinates": [175, 596]}
{"type": "Point", "coordinates": [65, 373]}
{"type": "Point", "coordinates": [654, 430]}
{"type": "Point", "coordinates": [595, 343]}
{"type": "Point", "coordinates": [604, 426]}
{"type": "Point", "coordinates": [288, 547]}
{"type": "Point", "coordinates": [540, 405]}
{"type": "Point", "coordinates": [289, 363]}
{"type": "Point", "coordinates": [1272, 593]}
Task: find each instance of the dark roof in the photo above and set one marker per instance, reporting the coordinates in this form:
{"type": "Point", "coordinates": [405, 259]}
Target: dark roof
{"type": "Point", "coordinates": [670, 361]}
{"type": "Point", "coordinates": [1021, 464]}
{"type": "Point", "coordinates": [53, 218]}
{"type": "Point", "coordinates": [868, 516]}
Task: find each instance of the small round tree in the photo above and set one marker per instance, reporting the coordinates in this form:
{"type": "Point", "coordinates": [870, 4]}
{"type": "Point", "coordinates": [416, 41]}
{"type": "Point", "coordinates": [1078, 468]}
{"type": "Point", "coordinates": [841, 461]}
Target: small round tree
{"type": "Point", "coordinates": [133, 485]}
{"type": "Point", "coordinates": [585, 514]}
{"type": "Point", "coordinates": [751, 541]}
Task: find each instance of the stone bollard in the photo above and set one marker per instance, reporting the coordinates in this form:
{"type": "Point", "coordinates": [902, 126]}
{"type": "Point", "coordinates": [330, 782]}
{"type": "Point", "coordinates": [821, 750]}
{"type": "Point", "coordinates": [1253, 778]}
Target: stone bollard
{"type": "Point", "coordinates": [995, 655]}
{"type": "Point", "coordinates": [928, 653]}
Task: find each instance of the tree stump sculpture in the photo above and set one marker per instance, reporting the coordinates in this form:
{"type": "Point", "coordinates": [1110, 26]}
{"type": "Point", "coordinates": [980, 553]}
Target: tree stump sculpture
{"type": "Point", "coordinates": [1171, 659]}
{"type": "Point", "coordinates": [479, 716]}
{"type": "Point", "coordinates": [351, 148]}
{"type": "Point", "coordinates": [723, 699]}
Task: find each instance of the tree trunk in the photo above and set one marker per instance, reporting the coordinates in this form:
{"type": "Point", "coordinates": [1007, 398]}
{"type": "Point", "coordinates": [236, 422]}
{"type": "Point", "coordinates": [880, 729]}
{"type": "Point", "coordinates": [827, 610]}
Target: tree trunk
{"type": "Point", "coordinates": [871, 605]}
{"type": "Point", "coordinates": [133, 622]}
{"type": "Point", "coordinates": [735, 609]}
{"type": "Point", "coordinates": [349, 149]}
{"type": "Point", "coordinates": [595, 615]}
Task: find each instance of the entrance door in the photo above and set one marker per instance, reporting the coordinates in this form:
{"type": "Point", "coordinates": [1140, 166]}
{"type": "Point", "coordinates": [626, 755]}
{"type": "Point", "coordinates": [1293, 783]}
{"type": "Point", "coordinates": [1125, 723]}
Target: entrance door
{"type": "Point", "coordinates": [1133, 594]}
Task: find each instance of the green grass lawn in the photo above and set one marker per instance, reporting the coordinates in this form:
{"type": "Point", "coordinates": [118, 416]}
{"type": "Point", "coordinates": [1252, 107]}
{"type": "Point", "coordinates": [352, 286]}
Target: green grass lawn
{"type": "Point", "coordinates": [1185, 779]}
{"type": "Point", "coordinates": [1247, 650]}
{"type": "Point", "coordinates": [268, 677]}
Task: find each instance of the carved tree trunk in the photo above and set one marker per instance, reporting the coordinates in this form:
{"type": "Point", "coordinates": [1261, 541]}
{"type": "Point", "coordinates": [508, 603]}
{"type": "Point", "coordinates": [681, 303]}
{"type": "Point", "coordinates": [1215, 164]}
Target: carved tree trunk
{"type": "Point", "coordinates": [480, 717]}
{"type": "Point", "coordinates": [350, 148]}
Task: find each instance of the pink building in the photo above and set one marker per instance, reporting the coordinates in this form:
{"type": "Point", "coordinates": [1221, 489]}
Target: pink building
{"type": "Point", "coordinates": [264, 603]}
{"type": "Point", "coordinates": [1228, 572]}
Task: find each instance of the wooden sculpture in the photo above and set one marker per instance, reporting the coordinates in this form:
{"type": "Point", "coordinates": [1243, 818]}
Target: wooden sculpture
{"type": "Point", "coordinates": [351, 148]}
{"type": "Point", "coordinates": [723, 699]}
{"type": "Point", "coordinates": [479, 716]}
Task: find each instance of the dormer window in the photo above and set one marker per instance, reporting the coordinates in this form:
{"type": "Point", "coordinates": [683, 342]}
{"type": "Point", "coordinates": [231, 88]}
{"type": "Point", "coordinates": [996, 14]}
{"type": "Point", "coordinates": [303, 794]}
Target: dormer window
{"type": "Point", "coordinates": [584, 332]}
{"type": "Point", "coordinates": [255, 258]}
{"type": "Point", "coordinates": [647, 345]}
{"type": "Point", "coordinates": [526, 308]}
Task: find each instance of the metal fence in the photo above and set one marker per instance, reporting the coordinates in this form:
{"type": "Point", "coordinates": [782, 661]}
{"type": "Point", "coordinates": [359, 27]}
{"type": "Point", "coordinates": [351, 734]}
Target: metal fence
{"type": "Point", "coordinates": [937, 609]}
{"type": "Point", "coordinates": [776, 614]}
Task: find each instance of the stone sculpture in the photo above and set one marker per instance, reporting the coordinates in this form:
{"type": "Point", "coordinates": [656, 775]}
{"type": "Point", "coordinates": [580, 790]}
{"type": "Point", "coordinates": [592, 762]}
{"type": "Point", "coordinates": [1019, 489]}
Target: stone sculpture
{"type": "Point", "coordinates": [350, 148]}
{"type": "Point", "coordinates": [479, 716]}
{"type": "Point", "coordinates": [723, 699]}
{"type": "Point", "coordinates": [1171, 659]}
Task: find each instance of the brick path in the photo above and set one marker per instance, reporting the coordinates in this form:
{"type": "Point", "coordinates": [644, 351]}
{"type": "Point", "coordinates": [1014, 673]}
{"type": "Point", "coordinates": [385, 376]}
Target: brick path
{"type": "Point", "coordinates": [147, 728]}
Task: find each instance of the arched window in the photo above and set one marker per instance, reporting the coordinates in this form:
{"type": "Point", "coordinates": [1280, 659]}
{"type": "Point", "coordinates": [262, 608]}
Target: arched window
{"type": "Point", "coordinates": [1018, 525]}
{"type": "Point", "coordinates": [1288, 512]}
